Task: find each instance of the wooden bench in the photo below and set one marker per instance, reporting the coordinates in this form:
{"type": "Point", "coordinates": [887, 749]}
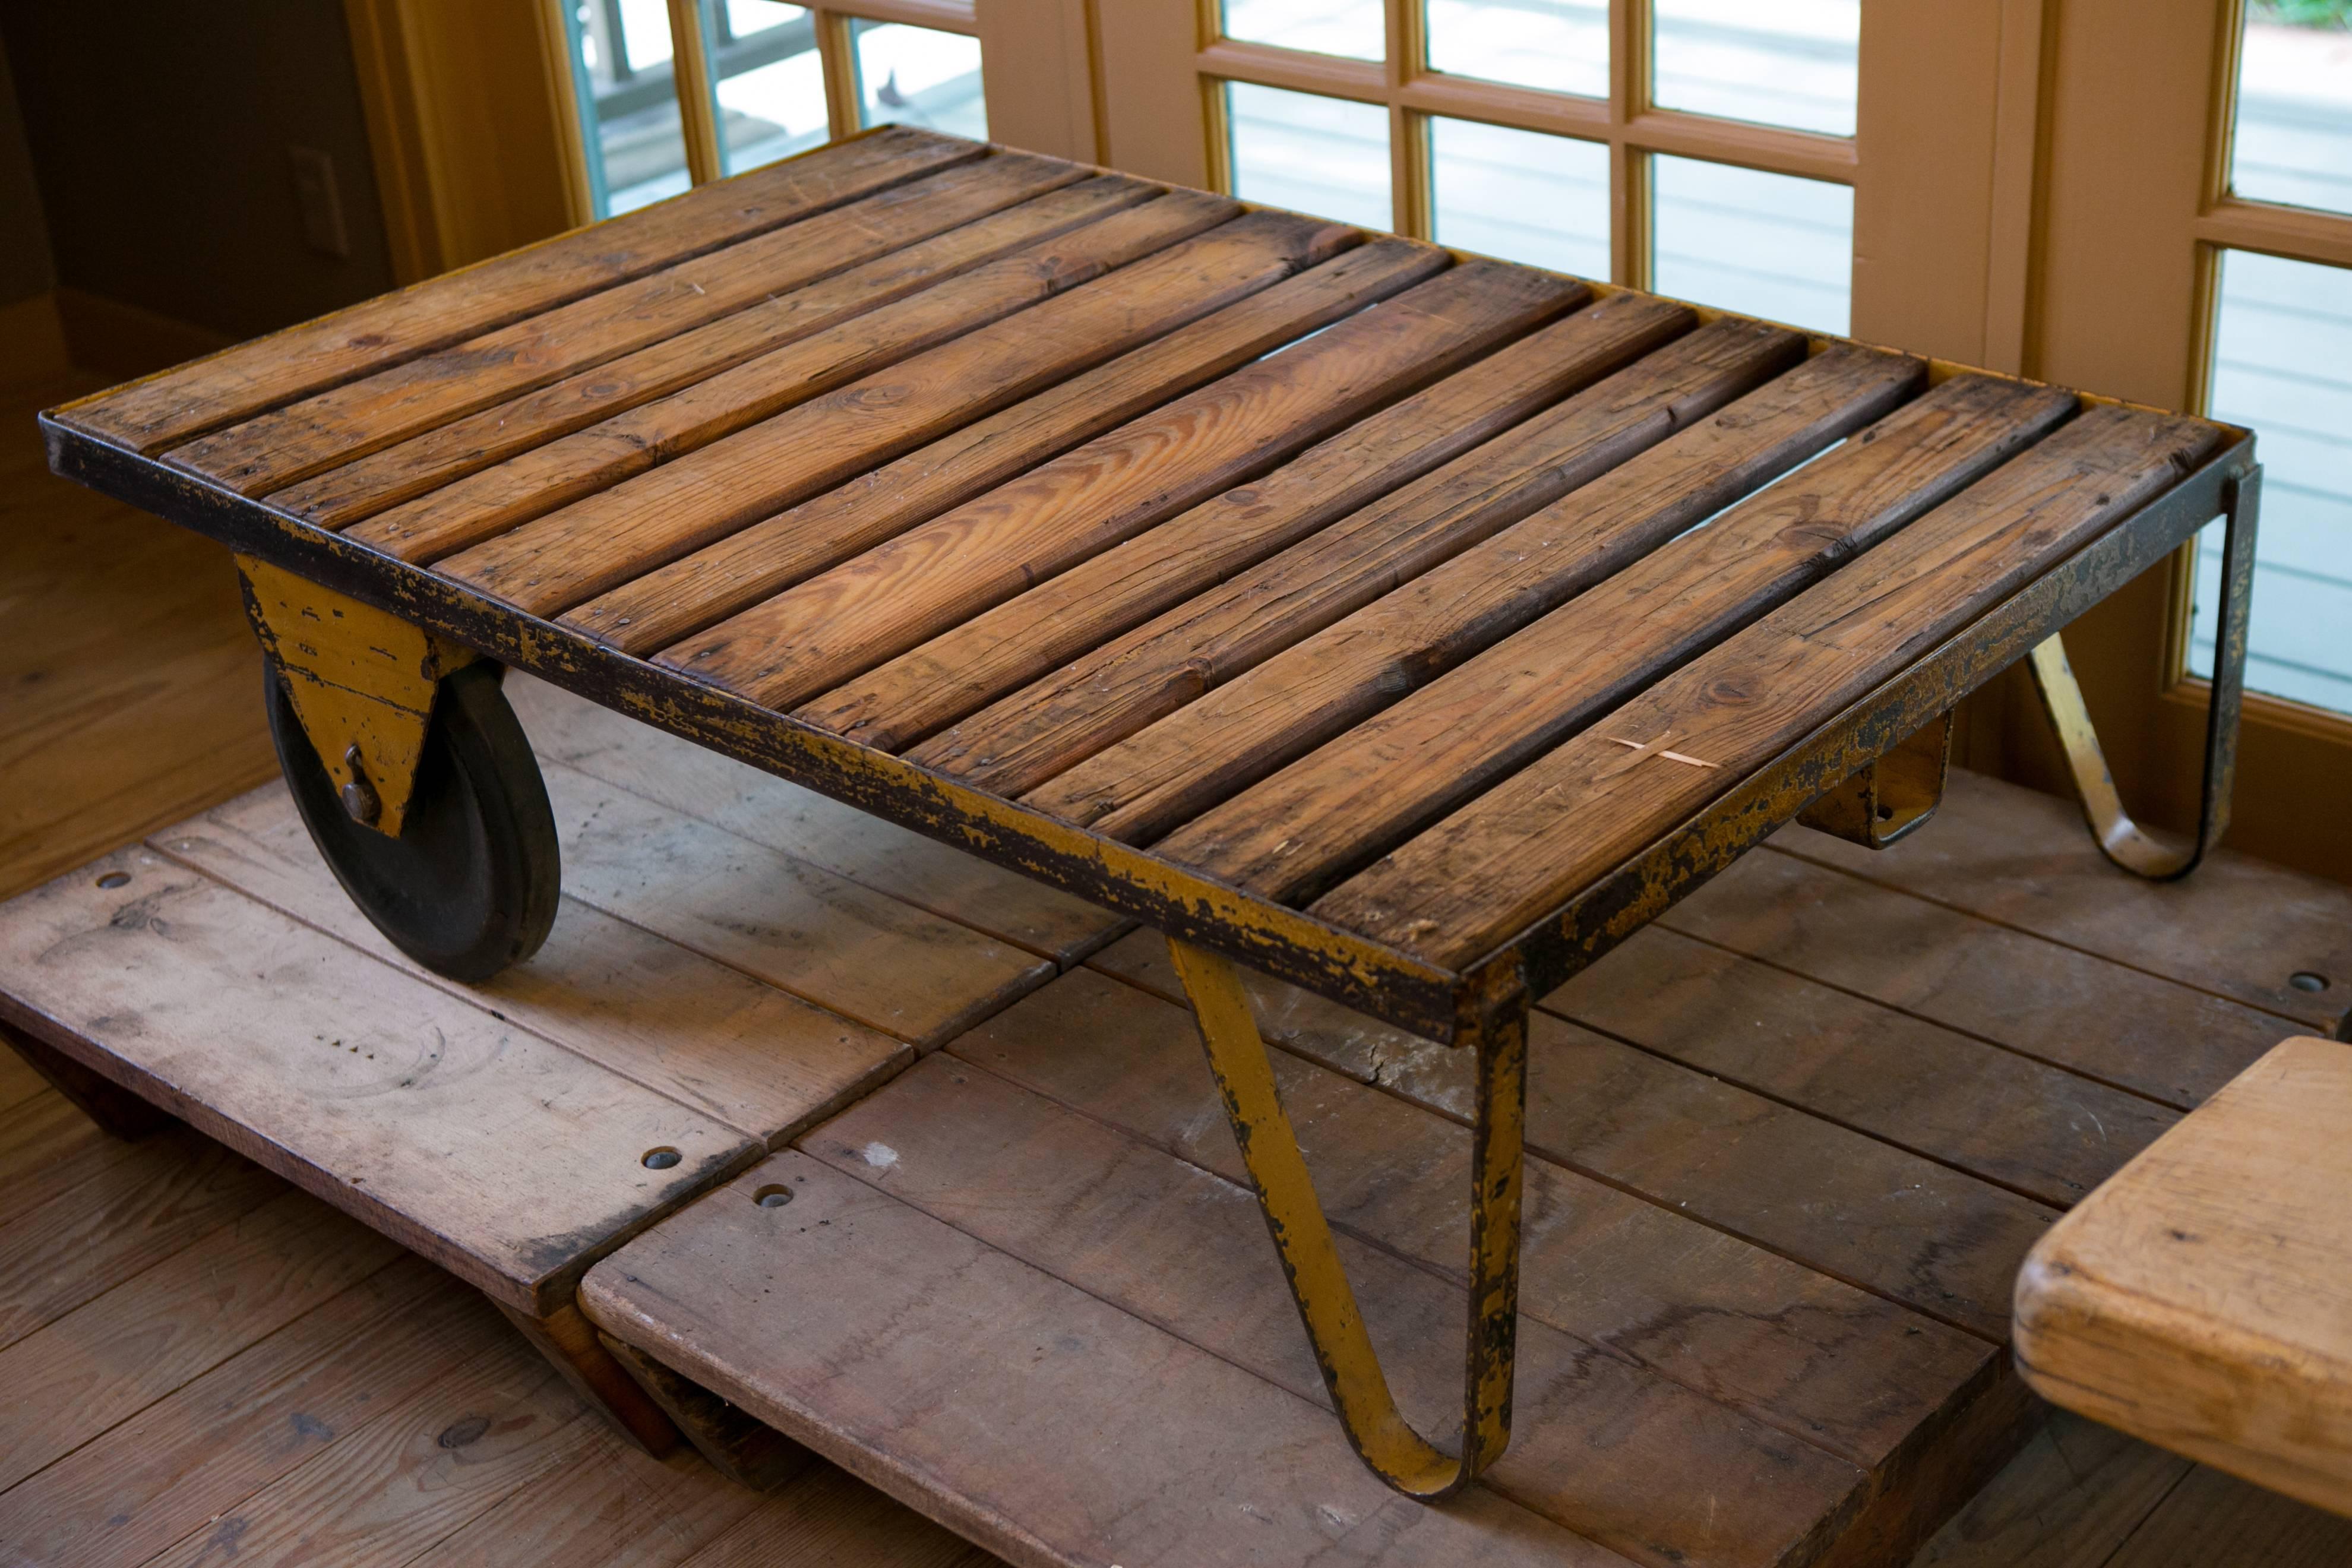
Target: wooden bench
{"type": "Point", "coordinates": [965, 486]}
{"type": "Point", "coordinates": [2201, 1298]}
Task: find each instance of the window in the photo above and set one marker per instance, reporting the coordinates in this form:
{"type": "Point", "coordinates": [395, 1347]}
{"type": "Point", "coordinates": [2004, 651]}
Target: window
{"type": "Point", "coordinates": [760, 80]}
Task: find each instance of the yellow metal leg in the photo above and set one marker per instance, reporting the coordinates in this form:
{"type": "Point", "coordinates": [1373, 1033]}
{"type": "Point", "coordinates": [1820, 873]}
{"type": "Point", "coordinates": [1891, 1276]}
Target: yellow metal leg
{"type": "Point", "coordinates": [1319, 1282]}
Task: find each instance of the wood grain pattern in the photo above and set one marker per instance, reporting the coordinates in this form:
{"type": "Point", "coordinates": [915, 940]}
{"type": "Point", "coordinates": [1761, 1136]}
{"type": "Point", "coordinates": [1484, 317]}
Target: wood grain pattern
{"type": "Point", "coordinates": [927, 580]}
{"type": "Point", "coordinates": [1186, 1252]}
{"type": "Point", "coordinates": [1245, 729]}
{"type": "Point", "coordinates": [763, 1062]}
{"type": "Point", "coordinates": [780, 815]}
{"type": "Point", "coordinates": [1340, 806]}
{"type": "Point", "coordinates": [2068, 1499]}
{"type": "Point", "coordinates": [164, 409]}
{"type": "Point", "coordinates": [921, 692]}
{"type": "Point", "coordinates": [360, 488]}
{"type": "Point", "coordinates": [1506, 859]}
{"type": "Point", "coordinates": [427, 1117]}
{"type": "Point", "coordinates": [597, 542]}
{"type": "Point", "coordinates": [667, 605]}
{"type": "Point", "coordinates": [838, 359]}
{"type": "Point", "coordinates": [271, 1405]}
{"type": "Point", "coordinates": [1768, 1336]}
{"type": "Point", "coordinates": [2240, 928]}
{"type": "Point", "coordinates": [1183, 1453]}
{"type": "Point", "coordinates": [2214, 1521]}
{"type": "Point", "coordinates": [2197, 1298]}
{"type": "Point", "coordinates": [294, 442]}
{"type": "Point", "coordinates": [831, 1519]}
{"type": "Point", "coordinates": [1105, 696]}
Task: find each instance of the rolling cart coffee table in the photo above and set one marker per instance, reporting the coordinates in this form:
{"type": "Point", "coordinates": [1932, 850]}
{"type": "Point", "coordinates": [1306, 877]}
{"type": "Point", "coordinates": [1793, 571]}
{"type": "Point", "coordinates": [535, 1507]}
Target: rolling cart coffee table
{"type": "Point", "coordinates": [1338, 606]}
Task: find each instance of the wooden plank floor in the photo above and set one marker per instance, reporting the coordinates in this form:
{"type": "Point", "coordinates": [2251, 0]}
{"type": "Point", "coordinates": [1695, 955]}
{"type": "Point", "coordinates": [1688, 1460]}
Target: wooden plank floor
{"type": "Point", "coordinates": [240, 1370]}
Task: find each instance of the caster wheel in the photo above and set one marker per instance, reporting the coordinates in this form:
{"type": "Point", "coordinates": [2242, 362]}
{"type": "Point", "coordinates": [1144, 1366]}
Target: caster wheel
{"type": "Point", "coordinates": [470, 884]}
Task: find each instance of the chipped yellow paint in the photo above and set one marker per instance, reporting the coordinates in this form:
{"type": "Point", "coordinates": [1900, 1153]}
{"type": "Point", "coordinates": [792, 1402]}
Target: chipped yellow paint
{"type": "Point", "coordinates": [1895, 793]}
{"type": "Point", "coordinates": [361, 681]}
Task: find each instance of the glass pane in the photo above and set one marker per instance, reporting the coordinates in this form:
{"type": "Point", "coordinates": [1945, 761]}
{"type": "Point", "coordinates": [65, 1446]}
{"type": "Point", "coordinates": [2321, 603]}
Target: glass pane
{"type": "Point", "coordinates": [1766, 244]}
{"type": "Point", "coordinates": [1774, 62]}
{"type": "Point", "coordinates": [1521, 196]}
{"type": "Point", "coordinates": [2295, 105]}
{"type": "Point", "coordinates": [2282, 343]}
{"type": "Point", "coordinates": [770, 81]}
{"type": "Point", "coordinates": [1562, 45]}
{"type": "Point", "coordinates": [1354, 28]}
{"type": "Point", "coordinates": [628, 109]}
{"type": "Point", "coordinates": [919, 76]}
{"type": "Point", "coordinates": [1328, 156]}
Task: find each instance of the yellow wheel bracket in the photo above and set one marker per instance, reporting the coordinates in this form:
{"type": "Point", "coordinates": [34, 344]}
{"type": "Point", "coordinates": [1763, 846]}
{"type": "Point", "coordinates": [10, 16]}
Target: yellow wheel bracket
{"type": "Point", "coordinates": [361, 681]}
{"type": "Point", "coordinates": [1319, 1282]}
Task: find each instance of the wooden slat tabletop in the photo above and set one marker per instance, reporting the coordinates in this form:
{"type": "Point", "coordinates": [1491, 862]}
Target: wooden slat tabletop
{"type": "Point", "coordinates": [1397, 595]}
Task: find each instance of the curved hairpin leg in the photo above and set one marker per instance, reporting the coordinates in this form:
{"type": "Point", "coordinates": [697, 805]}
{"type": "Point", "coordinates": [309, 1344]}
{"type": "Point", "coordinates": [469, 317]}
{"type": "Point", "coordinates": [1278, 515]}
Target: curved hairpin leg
{"type": "Point", "coordinates": [1382, 1436]}
{"type": "Point", "coordinates": [2119, 838]}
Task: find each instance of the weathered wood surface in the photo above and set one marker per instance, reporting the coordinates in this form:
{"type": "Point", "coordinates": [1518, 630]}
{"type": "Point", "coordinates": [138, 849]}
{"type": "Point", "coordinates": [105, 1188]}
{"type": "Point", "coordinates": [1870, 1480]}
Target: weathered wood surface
{"type": "Point", "coordinates": [293, 443]}
{"type": "Point", "coordinates": [1335, 809]}
{"type": "Point", "coordinates": [1105, 696]}
{"type": "Point", "coordinates": [240, 382]}
{"type": "Point", "coordinates": [935, 576]}
{"type": "Point", "coordinates": [356, 490]}
{"type": "Point", "coordinates": [2199, 1299]}
{"type": "Point", "coordinates": [601, 537]}
{"type": "Point", "coordinates": [1505, 859]}
{"type": "Point", "coordinates": [501, 1156]}
{"type": "Point", "coordinates": [991, 653]}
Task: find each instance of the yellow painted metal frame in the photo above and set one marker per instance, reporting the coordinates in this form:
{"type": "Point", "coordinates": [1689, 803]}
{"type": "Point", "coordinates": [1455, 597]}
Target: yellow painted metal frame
{"type": "Point", "coordinates": [1892, 797]}
{"type": "Point", "coordinates": [363, 683]}
{"type": "Point", "coordinates": [1377, 1431]}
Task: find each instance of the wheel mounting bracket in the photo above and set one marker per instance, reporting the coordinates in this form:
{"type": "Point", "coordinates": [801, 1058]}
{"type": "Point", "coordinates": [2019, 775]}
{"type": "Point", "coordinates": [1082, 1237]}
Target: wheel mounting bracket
{"type": "Point", "coordinates": [361, 681]}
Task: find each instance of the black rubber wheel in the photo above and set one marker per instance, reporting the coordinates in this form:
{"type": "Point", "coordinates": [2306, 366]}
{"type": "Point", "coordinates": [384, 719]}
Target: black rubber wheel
{"type": "Point", "coordinates": [470, 884]}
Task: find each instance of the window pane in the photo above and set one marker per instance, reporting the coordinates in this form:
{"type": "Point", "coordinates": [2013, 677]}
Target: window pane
{"type": "Point", "coordinates": [2295, 105]}
{"type": "Point", "coordinates": [1774, 62]}
{"type": "Point", "coordinates": [771, 82]}
{"type": "Point", "coordinates": [628, 110]}
{"type": "Point", "coordinates": [1521, 196]}
{"type": "Point", "coordinates": [1766, 244]}
{"type": "Point", "coordinates": [1562, 45]}
{"type": "Point", "coordinates": [1328, 156]}
{"type": "Point", "coordinates": [919, 76]}
{"type": "Point", "coordinates": [2282, 346]}
{"type": "Point", "coordinates": [1354, 28]}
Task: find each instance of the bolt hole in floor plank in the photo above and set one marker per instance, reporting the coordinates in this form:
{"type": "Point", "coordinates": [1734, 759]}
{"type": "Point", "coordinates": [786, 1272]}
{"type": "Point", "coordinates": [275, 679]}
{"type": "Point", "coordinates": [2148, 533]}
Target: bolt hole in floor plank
{"type": "Point", "coordinates": [1788, 1143]}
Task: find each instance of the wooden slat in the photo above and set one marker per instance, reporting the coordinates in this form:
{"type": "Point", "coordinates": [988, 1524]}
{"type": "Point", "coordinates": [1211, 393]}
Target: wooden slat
{"type": "Point", "coordinates": [2213, 1521]}
{"type": "Point", "coordinates": [507, 1160]}
{"type": "Point", "coordinates": [1132, 1446]}
{"type": "Point", "coordinates": [293, 443]}
{"type": "Point", "coordinates": [921, 692]}
{"type": "Point", "coordinates": [604, 540]}
{"type": "Point", "coordinates": [2068, 1499]}
{"type": "Point", "coordinates": [783, 816]}
{"type": "Point", "coordinates": [1107, 695]}
{"type": "Point", "coordinates": [704, 588]}
{"type": "Point", "coordinates": [346, 494]}
{"type": "Point", "coordinates": [830, 1519]}
{"type": "Point", "coordinates": [2240, 928]}
{"type": "Point", "coordinates": [1336, 809]}
{"type": "Point", "coordinates": [902, 593]}
{"type": "Point", "coordinates": [105, 1362]}
{"type": "Point", "coordinates": [47, 1145]}
{"type": "Point", "coordinates": [1849, 1371]}
{"type": "Point", "coordinates": [2199, 1299]}
{"type": "Point", "coordinates": [760, 1060]}
{"type": "Point", "coordinates": [165, 409]}
{"type": "Point", "coordinates": [2051, 1135]}
{"type": "Point", "coordinates": [1186, 1251]}
{"type": "Point", "coordinates": [192, 1455]}
{"type": "Point", "coordinates": [1940, 1241]}
{"type": "Point", "coordinates": [540, 480]}
{"type": "Point", "coordinates": [782, 921]}
{"type": "Point", "coordinates": [1244, 730]}
{"type": "Point", "coordinates": [1508, 858]}
{"type": "Point", "coordinates": [2021, 993]}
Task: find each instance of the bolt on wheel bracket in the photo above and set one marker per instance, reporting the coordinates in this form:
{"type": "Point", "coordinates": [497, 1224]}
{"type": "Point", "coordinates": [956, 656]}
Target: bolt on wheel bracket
{"type": "Point", "coordinates": [1497, 1028]}
{"type": "Point", "coordinates": [1895, 795]}
{"type": "Point", "coordinates": [363, 683]}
